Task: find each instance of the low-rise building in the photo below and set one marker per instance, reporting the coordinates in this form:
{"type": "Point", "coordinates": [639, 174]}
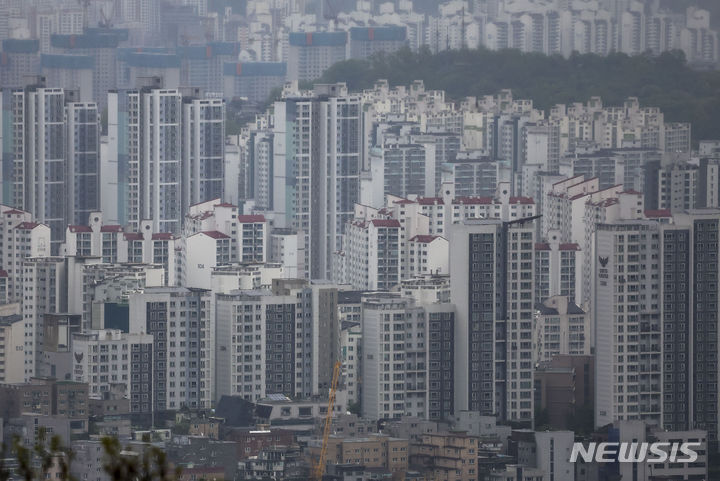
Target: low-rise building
{"type": "Point", "coordinates": [446, 456]}
{"type": "Point", "coordinates": [371, 451]}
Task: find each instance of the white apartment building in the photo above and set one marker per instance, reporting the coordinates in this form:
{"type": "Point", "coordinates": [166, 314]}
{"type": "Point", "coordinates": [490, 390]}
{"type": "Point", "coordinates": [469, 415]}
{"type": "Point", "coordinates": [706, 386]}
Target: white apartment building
{"type": "Point", "coordinates": [427, 289]}
{"type": "Point", "coordinates": [561, 327]}
{"type": "Point", "coordinates": [21, 238]}
{"type": "Point", "coordinates": [44, 292]}
{"type": "Point", "coordinates": [203, 148]}
{"type": "Point", "coordinates": [204, 252]}
{"type": "Point", "coordinates": [626, 316]}
{"type": "Point", "coordinates": [172, 147]}
{"type": "Point", "coordinates": [419, 222]}
{"type": "Point", "coordinates": [93, 284]}
{"type": "Point", "coordinates": [566, 202]}
{"type": "Point", "coordinates": [491, 274]}
{"type": "Point", "coordinates": [252, 239]}
{"type": "Point", "coordinates": [211, 215]}
{"type": "Point", "coordinates": [252, 358]}
{"type": "Point", "coordinates": [556, 267]}
{"type": "Point", "coordinates": [325, 129]}
{"type": "Point", "coordinates": [407, 358]}
{"type": "Point", "coordinates": [42, 131]}
{"type": "Point", "coordinates": [287, 249]}
{"type": "Point", "coordinates": [113, 245]}
{"type": "Point", "coordinates": [105, 359]}
{"type": "Point", "coordinates": [12, 343]}
{"type": "Point", "coordinates": [428, 254]}
{"type": "Point", "coordinates": [350, 343]}
{"type": "Point", "coordinates": [181, 322]}
{"type": "Point", "coordinates": [373, 254]}
{"type": "Point", "coordinates": [311, 53]}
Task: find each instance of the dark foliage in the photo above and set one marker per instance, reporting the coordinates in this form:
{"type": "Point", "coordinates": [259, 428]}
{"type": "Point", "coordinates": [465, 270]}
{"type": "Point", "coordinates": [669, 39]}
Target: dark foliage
{"type": "Point", "coordinates": [50, 456]}
{"type": "Point", "coordinates": [664, 81]}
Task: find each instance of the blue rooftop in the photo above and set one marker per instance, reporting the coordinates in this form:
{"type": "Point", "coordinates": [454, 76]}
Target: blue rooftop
{"type": "Point", "coordinates": [224, 48]}
{"type": "Point", "coordinates": [211, 50]}
{"type": "Point", "coordinates": [75, 62]}
{"type": "Point", "coordinates": [123, 34]}
{"type": "Point", "coordinates": [86, 40]}
{"type": "Point", "coordinates": [378, 33]}
{"type": "Point", "coordinates": [152, 60]}
{"type": "Point", "coordinates": [318, 39]}
{"type": "Point", "coordinates": [14, 45]}
{"type": "Point", "coordinates": [122, 53]}
{"type": "Point", "coordinates": [255, 69]}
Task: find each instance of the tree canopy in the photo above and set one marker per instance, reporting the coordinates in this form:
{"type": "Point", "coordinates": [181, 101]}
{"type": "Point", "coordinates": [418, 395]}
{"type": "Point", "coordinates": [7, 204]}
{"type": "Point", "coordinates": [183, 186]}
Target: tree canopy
{"type": "Point", "coordinates": [665, 81]}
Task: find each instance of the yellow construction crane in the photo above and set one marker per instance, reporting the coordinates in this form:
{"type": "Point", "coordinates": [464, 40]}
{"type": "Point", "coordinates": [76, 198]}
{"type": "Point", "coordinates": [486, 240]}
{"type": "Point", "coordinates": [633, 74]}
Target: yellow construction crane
{"type": "Point", "coordinates": [320, 466]}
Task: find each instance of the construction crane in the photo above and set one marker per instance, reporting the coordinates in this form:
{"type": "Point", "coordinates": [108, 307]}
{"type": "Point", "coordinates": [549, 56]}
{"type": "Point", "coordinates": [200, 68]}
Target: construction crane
{"type": "Point", "coordinates": [106, 21]}
{"type": "Point", "coordinates": [330, 12]}
{"type": "Point", "coordinates": [85, 4]}
{"type": "Point", "coordinates": [320, 466]}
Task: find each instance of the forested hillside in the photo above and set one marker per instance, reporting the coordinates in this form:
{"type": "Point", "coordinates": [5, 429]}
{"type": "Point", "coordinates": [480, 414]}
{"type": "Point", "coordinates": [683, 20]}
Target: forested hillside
{"type": "Point", "coordinates": [665, 81]}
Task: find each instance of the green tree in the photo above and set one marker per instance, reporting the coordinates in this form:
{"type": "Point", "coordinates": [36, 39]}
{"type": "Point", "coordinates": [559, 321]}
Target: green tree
{"type": "Point", "coordinates": [4, 471]}
{"type": "Point", "coordinates": [50, 454]}
{"type": "Point", "coordinates": [35, 463]}
{"type": "Point", "coordinates": [354, 407]}
{"type": "Point", "coordinates": [665, 81]}
{"type": "Point", "coordinates": [149, 465]}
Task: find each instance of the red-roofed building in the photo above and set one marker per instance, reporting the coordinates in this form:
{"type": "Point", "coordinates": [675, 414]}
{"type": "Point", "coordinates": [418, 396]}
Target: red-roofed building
{"type": "Point", "coordinates": [385, 223]}
{"type": "Point", "coordinates": [203, 252]}
{"type": "Point", "coordinates": [424, 239]}
{"type": "Point", "coordinates": [372, 257]}
{"type": "Point", "coordinates": [427, 254]}
{"type": "Point", "coordinates": [215, 234]}
{"type": "Point", "coordinates": [27, 225]}
{"type": "Point", "coordinates": [429, 200]}
{"type": "Point", "coordinates": [473, 200]}
{"type": "Point", "coordinates": [21, 238]}
{"type": "Point", "coordinates": [251, 218]}
{"type": "Point", "coordinates": [15, 212]}
{"type": "Point", "coordinates": [424, 220]}
{"type": "Point", "coordinates": [162, 236]}
{"type": "Point", "coordinates": [113, 245]}
{"type": "Point", "coordinates": [211, 216]}
{"type": "Point", "coordinates": [521, 200]}
{"type": "Point", "coordinates": [658, 213]}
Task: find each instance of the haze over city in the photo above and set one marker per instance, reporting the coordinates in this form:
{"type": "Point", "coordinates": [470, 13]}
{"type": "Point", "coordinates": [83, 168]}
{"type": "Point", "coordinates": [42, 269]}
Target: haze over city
{"type": "Point", "coordinates": [355, 240]}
